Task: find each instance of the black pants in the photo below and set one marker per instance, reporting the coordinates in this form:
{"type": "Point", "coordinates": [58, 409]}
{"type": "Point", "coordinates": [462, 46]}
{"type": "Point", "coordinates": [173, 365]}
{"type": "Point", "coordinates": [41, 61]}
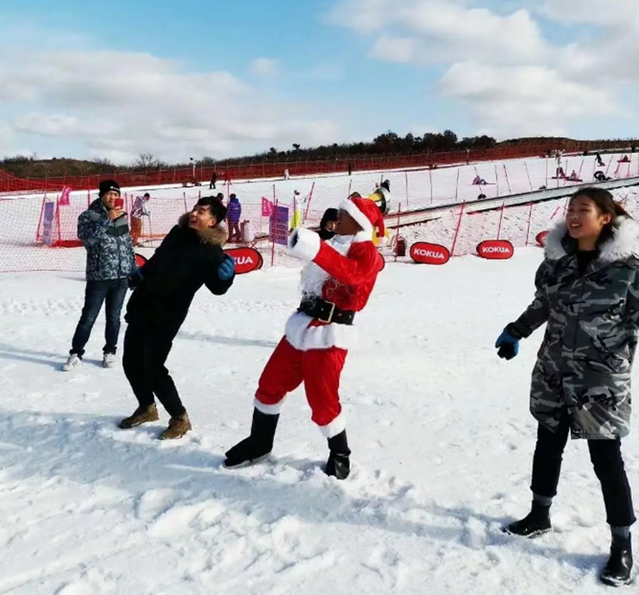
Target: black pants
{"type": "Point", "coordinates": [607, 461]}
{"type": "Point", "coordinates": [145, 353]}
{"type": "Point", "coordinates": [96, 293]}
{"type": "Point", "coordinates": [235, 233]}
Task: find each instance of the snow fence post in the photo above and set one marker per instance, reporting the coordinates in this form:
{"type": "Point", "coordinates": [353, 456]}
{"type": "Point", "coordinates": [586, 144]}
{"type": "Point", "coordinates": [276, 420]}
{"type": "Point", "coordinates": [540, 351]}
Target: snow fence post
{"type": "Point", "coordinates": [501, 218]}
{"type": "Point", "coordinates": [430, 171]}
{"type": "Point", "coordinates": [461, 215]}
{"type": "Point", "coordinates": [528, 174]}
{"type": "Point", "coordinates": [532, 204]}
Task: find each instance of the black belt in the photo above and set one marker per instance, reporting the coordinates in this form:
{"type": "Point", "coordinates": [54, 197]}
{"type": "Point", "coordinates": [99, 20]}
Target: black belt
{"type": "Point", "coordinates": [326, 311]}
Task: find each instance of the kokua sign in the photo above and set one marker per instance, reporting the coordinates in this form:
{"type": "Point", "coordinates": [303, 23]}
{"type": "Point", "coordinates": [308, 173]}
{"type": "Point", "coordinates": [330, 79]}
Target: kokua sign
{"type": "Point", "coordinates": [425, 253]}
{"type": "Point", "coordinates": [140, 260]}
{"type": "Point", "coordinates": [246, 259]}
{"type": "Point", "coordinates": [496, 249]}
{"type": "Point", "coordinates": [541, 238]}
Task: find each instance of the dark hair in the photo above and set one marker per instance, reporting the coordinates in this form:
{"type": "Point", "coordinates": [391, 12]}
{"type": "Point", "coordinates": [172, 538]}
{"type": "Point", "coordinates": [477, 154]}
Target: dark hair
{"type": "Point", "coordinates": [147, 194]}
{"type": "Point", "coordinates": [604, 201]}
{"type": "Point", "coordinates": [606, 205]}
{"type": "Point", "coordinates": [218, 210]}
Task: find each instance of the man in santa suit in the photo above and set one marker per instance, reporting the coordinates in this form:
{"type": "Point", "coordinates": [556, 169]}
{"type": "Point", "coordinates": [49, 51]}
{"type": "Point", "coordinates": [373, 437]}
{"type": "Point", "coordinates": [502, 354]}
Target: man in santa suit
{"type": "Point", "coordinates": [336, 284]}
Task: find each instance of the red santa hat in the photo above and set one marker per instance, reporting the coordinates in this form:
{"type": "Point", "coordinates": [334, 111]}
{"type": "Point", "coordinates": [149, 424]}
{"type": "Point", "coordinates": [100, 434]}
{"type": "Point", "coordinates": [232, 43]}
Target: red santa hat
{"type": "Point", "coordinates": [366, 213]}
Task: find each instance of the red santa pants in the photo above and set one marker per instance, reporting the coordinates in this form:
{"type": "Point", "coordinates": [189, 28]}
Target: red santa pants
{"type": "Point", "coordinates": [319, 369]}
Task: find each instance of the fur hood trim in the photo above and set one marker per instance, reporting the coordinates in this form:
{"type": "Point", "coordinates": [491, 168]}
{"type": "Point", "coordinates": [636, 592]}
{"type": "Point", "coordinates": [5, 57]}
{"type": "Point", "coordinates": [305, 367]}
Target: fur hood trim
{"type": "Point", "coordinates": [216, 236]}
{"type": "Point", "coordinates": [623, 244]}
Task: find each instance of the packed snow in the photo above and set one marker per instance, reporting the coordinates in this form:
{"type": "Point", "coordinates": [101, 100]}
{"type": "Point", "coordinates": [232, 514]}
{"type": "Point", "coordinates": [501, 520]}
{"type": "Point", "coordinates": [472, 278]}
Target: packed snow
{"type": "Point", "coordinates": [441, 435]}
{"type": "Point", "coordinates": [439, 427]}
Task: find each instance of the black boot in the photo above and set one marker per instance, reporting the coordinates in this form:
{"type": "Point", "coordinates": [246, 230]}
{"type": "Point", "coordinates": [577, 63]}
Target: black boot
{"type": "Point", "coordinates": [258, 445]}
{"type": "Point", "coordinates": [536, 523]}
{"type": "Point", "coordinates": [618, 570]}
{"type": "Point", "coordinates": [338, 464]}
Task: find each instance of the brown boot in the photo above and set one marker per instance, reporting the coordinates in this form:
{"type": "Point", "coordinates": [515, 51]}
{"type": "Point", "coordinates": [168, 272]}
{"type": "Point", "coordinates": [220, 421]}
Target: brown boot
{"type": "Point", "coordinates": [178, 426]}
{"type": "Point", "coordinates": [141, 415]}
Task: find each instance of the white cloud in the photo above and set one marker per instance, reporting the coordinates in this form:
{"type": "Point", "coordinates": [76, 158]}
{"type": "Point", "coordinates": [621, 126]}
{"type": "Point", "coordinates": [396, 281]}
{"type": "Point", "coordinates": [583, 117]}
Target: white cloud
{"type": "Point", "coordinates": [265, 67]}
{"type": "Point", "coordinates": [608, 13]}
{"type": "Point", "coordinates": [523, 100]}
{"type": "Point", "coordinates": [434, 31]}
{"type": "Point", "coordinates": [47, 125]}
{"type": "Point", "coordinates": [508, 77]}
{"type": "Point", "coordinates": [124, 103]}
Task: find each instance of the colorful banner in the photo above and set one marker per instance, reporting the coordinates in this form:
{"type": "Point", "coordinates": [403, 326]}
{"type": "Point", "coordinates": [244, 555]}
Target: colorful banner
{"type": "Point", "coordinates": [278, 226]}
{"type": "Point", "coordinates": [267, 207]}
{"type": "Point", "coordinates": [47, 222]}
{"type": "Point", "coordinates": [64, 197]}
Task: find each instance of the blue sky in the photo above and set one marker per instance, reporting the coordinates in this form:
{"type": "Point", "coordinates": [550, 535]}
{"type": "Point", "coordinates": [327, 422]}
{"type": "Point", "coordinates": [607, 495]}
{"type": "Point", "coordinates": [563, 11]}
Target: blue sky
{"type": "Point", "coordinates": [290, 71]}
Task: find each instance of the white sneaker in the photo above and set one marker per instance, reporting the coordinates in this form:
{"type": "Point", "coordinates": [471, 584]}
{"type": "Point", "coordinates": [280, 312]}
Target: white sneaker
{"type": "Point", "coordinates": [108, 361]}
{"type": "Point", "coordinates": [72, 363]}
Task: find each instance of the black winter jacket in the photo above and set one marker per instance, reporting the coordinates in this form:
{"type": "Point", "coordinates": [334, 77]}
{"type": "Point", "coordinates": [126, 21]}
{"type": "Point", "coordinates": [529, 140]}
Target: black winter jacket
{"type": "Point", "coordinates": [185, 261]}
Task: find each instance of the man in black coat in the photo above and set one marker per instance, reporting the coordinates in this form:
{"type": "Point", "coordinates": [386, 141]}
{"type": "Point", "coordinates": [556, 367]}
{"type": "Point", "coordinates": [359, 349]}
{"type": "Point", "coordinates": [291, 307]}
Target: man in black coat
{"type": "Point", "coordinates": [190, 256]}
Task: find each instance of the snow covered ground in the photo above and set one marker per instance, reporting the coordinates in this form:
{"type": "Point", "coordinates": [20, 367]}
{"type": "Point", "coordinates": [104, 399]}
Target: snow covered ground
{"type": "Point", "coordinates": [441, 436]}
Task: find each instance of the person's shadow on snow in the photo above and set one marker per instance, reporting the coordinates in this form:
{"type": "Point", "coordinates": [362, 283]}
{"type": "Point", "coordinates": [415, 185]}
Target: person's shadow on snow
{"type": "Point", "coordinates": [43, 358]}
{"type": "Point", "coordinates": [230, 341]}
{"type": "Point", "coordinates": [90, 449]}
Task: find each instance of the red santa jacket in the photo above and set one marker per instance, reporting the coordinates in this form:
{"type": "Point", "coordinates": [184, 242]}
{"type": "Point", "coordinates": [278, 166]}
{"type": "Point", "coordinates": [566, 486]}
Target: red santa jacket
{"type": "Point", "coordinates": [342, 273]}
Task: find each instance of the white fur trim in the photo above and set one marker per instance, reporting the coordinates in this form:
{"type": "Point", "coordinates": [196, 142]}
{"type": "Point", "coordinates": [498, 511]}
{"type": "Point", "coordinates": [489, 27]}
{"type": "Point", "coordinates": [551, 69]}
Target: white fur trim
{"type": "Point", "coordinates": [362, 236]}
{"type": "Point", "coordinates": [307, 245]}
{"type": "Point", "coordinates": [337, 426]}
{"type": "Point", "coordinates": [304, 338]}
{"type": "Point", "coordinates": [554, 249]}
{"type": "Point", "coordinates": [313, 277]}
{"type": "Point", "coordinates": [623, 244]}
{"type": "Point", "coordinates": [269, 409]}
{"type": "Point", "coordinates": [312, 280]}
{"type": "Point", "coordinates": [355, 213]}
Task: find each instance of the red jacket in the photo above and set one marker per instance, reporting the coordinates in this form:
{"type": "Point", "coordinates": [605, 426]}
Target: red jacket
{"type": "Point", "coordinates": [344, 274]}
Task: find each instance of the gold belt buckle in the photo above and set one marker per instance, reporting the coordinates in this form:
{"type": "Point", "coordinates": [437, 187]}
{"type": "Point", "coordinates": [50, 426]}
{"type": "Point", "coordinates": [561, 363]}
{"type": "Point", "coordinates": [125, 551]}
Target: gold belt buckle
{"type": "Point", "coordinates": [330, 316]}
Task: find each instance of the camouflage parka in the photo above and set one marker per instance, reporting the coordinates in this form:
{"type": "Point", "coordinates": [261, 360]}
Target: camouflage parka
{"type": "Point", "coordinates": [584, 363]}
{"type": "Point", "coordinates": [108, 244]}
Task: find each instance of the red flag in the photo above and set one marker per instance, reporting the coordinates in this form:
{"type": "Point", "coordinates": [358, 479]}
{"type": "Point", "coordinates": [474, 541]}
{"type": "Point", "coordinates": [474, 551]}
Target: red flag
{"type": "Point", "coordinates": [64, 197]}
{"type": "Point", "coordinates": [267, 207]}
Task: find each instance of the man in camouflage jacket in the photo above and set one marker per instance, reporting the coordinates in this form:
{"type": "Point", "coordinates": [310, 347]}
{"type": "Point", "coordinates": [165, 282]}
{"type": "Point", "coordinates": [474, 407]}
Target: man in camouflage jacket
{"type": "Point", "coordinates": [583, 366]}
{"type": "Point", "coordinates": [104, 230]}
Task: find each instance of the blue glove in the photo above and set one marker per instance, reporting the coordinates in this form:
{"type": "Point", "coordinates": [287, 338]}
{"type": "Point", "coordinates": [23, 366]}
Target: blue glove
{"type": "Point", "coordinates": [227, 269]}
{"type": "Point", "coordinates": [135, 278]}
{"type": "Point", "coordinates": [508, 346]}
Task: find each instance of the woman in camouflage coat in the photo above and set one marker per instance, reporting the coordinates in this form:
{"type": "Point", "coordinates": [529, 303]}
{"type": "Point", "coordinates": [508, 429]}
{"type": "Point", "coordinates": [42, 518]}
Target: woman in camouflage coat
{"type": "Point", "coordinates": [588, 293]}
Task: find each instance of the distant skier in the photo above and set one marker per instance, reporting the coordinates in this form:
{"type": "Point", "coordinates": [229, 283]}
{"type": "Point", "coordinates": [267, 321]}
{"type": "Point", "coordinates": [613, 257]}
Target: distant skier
{"type": "Point", "coordinates": [139, 211]}
{"type": "Point", "coordinates": [588, 293]}
{"type": "Point", "coordinates": [233, 217]}
{"type": "Point", "coordinates": [213, 181]}
{"type": "Point", "coordinates": [599, 160]}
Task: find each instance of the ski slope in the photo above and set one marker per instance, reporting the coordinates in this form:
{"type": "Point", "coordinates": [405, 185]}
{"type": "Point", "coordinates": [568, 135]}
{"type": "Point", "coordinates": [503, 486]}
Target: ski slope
{"type": "Point", "coordinates": [439, 427]}
{"type": "Point", "coordinates": [411, 190]}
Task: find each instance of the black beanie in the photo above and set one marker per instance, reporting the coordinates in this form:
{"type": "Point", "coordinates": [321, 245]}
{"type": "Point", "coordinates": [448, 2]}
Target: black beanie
{"type": "Point", "coordinates": [107, 185]}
